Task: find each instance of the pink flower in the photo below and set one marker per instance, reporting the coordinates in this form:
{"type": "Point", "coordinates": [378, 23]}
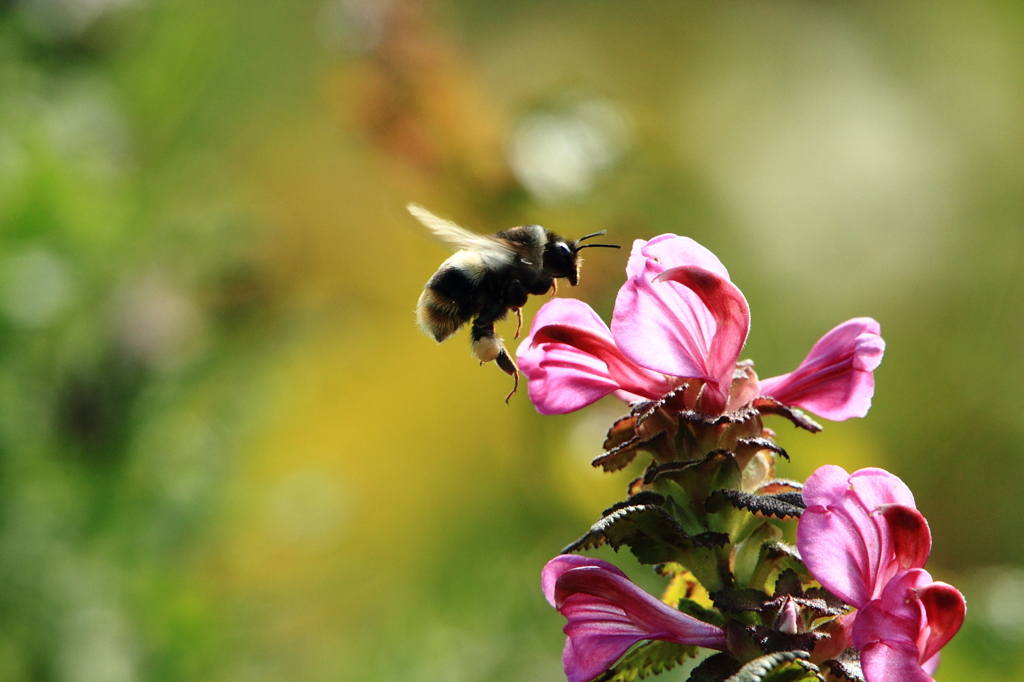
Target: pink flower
{"type": "Point", "coordinates": [607, 614]}
{"type": "Point", "coordinates": [862, 537]}
{"type": "Point", "coordinates": [836, 380]}
{"type": "Point", "coordinates": [678, 319]}
{"type": "Point", "coordinates": [847, 542]}
{"type": "Point", "coordinates": [899, 634]}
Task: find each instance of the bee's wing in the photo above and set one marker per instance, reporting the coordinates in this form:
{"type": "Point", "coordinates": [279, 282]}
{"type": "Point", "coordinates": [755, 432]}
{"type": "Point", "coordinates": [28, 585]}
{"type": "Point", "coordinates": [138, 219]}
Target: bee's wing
{"type": "Point", "coordinates": [460, 237]}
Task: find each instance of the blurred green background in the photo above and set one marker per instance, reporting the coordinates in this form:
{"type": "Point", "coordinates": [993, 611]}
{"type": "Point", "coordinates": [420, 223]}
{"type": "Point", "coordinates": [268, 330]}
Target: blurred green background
{"type": "Point", "coordinates": [226, 452]}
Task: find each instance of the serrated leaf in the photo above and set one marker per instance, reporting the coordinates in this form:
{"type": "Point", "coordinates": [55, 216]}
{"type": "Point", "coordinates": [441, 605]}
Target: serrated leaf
{"type": "Point", "coordinates": [738, 601]}
{"type": "Point", "coordinates": [766, 405]}
{"type": "Point", "coordinates": [739, 416]}
{"type": "Point", "coordinates": [638, 432]}
{"type": "Point", "coordinates": [689, 484]}
{"type": "Point", "coordinates": [595, 537]}
{"type": "Point", "coordinates": [831, 601]}
{"type": "Point", "coordinates": [620, 432]}
{"type": "Point", "coordinates": [795, 498]}
{"type": "Point", "coordinates": [710, 539]}
{"type": "Point", "coordinates": [620, 456]}
{"type": "Point", "coordinates": [780, 485]}
{"type": "Point", "coordinates": [746, 447]}
{"type": "Point", "coordinates": [592, 539]}
{"type": "Point", "coordinates": [646, 409]}
{"type": "Point", "coordinates": [672, 470]}
{"type": "Point", "coordinates": [716, 668]}
{"type": "Point", "coordinates": [641, 498]}
{"type": "Point", "coordinates": [647, 658]}
{"type": "Point", "coordinates": [772, 641]}
{"type": "Point", "coordinates": [782, 506]}
{"type": "Point", "coordinates": [788, 583]}
{"type": "Point", "coordinates": [846, 666]}
{"type": "Point", "coordinates": [783, 666]}
{"type": "Point", "coordinates": [700, 612]}
{"type": "Point", "coordinates": [649, 531]}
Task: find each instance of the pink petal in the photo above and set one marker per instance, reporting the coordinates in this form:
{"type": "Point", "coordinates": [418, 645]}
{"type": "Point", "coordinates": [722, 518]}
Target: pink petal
{"type": "Point", "coordinates": [892, 662]}
{"type": "Point", "coordinates": [731, 313]}
{"type": "Point", "coordinates": [887, 630]}
{"type": "Point", "coordinates": [932, 664]}
{"type": "Point", "coordinates": [671, 251]}
{"type": "Point", "coordinates": [597, 635]}
{"type": "Point", "coordinates": [836, 380]}
{"type": "Point", "coordinates": [571, 360]}
{"type": "Point", "coordinates": [945, 609]}
{"type": "Point", "coordinates": [554, 569]}
{"type": "Point", "coordinates": [845, 543]}
{"type": "Point", "coordinates": [607, 614]}
{"type": "Point", "coordinates": [877, 487]}
{"type": "Point", "coordinates": [684, 321]}
{"type": "Point", "coordinates": [911, 537]}
{"type": "Point", "coordinates": [664, 327]}
{"type": "Point", "coordinates": [901, 632]}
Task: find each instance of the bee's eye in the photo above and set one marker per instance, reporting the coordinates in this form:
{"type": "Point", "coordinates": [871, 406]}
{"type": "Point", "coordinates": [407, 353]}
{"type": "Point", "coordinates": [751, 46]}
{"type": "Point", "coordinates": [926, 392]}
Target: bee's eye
{"type": "Point", "coordinates": [564, 249]}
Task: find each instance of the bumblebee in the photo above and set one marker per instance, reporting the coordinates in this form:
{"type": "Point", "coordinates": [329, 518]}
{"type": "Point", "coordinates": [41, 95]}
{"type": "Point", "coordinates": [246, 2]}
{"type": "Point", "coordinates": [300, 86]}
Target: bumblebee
{"type": "Point", "coordinates": [488, 276]}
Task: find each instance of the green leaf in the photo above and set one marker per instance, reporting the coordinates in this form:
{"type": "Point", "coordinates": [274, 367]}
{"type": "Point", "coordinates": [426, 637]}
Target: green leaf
{"type": "Point", "coordinates": [773, 556]}
{"type": "Point", "coordinates": [715, 668]}
{"type": "Point", "coordinates": [833, 602]}
{"type": "Point", "coordinates": [749, 552]}
{"type": "Point", "coordinates": [626, 439]}
{"type": "Point", "coordinates": [690, 483]}
{"type": "Point", "coordinates": [783, 506]}
{"type": "Point", "coordinates": [692, 608]}
{"type": "Point", "coordinates": [595, 537]}
{"type": "Point", "coordinates": [766, 405]}
{"type": "Point", "coordinates": [784, 666]}
{"type": "Point", "coordinates": [788, 583]}
{"type": "Point", "coordinates": [746, 447]}
{"type": "Point", "coordinates": [772, 641]}
{"type": "Point", "coordinates": [651, 534]}
{"type": "Point", "coordinates": [648, 529]}
{"type": "Point", "coordinates": [846, 666]}
{"type": "Point", "coordinates": [648, 658]}
{"type": "Point", "coordinates": [738, 601]}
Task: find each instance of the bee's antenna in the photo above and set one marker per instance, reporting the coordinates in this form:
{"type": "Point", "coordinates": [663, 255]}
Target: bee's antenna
{"type": "Point", "coordinates": [587, 246]}
{"type": "Point", "coordinates": [603, 246]}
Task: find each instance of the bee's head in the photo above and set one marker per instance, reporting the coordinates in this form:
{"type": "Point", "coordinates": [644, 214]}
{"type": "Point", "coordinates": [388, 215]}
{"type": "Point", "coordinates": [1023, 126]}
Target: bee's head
{"type": "Point", "coordinates": [561, 256]}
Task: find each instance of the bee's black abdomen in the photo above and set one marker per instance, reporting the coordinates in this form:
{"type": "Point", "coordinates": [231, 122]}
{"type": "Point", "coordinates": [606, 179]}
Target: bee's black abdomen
{"type": "Point", "coordinates": [450, 298]}
{"type": "Point", "coordinates": [455, 285]}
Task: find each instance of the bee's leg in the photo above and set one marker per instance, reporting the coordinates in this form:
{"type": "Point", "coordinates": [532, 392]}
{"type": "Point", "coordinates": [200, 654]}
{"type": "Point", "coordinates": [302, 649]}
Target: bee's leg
{"type": "Point", "coordinates": [515, 298]}
{"type": "Point", "coordinates": [554, 287]}
{"type": "Point", "coordinates": [508, 365]}
{"type": "Point", "coordinates": [487, 346]}
{"type": "Point", "coordinates": [515, 386]}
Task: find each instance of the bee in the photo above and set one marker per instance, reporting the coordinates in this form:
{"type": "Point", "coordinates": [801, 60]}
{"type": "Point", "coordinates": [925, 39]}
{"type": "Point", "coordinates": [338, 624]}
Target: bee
{"type": "Point", "coordinates": [488, 276]}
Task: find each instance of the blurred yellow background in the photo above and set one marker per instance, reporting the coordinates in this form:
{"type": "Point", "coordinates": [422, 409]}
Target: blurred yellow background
{"type": "Point", "coordinates": [226, 452]}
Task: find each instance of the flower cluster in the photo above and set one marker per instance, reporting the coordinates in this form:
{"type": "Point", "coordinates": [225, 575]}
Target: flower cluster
{"type": "Point", "coordinates": [851, 601]}
{"type": "Point", "coordinates": [679, 319]}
